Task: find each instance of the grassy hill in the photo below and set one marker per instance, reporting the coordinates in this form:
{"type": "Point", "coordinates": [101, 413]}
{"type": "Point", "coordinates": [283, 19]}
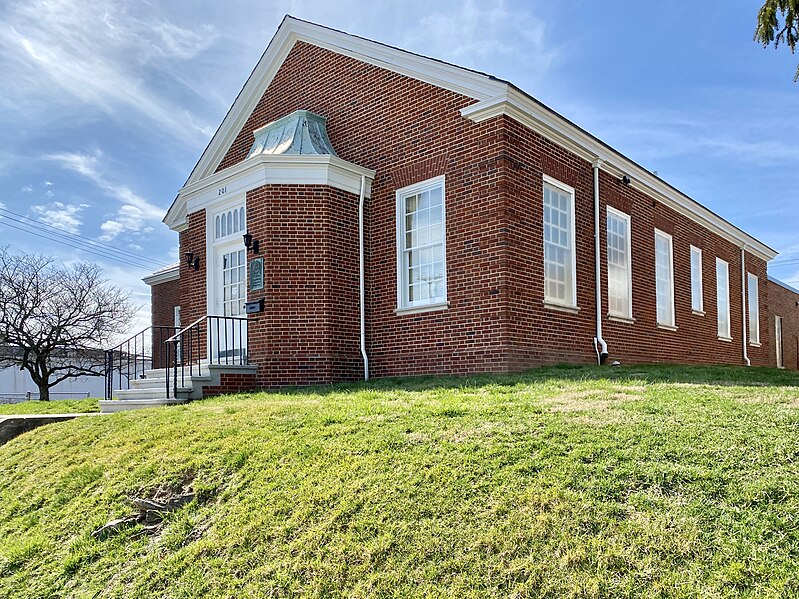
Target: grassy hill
{"type": "Point", "coordinates": [569, 482]}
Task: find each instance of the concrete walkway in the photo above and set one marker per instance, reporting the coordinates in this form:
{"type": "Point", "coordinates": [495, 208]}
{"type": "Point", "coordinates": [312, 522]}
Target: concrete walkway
{"type": "Point", "coordinates": [13, 425]}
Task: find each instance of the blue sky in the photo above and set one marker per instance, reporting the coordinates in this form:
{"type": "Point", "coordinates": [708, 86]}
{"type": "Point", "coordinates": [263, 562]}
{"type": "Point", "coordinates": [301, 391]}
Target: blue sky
{"type": "Point", "coordinates": [106, 106]}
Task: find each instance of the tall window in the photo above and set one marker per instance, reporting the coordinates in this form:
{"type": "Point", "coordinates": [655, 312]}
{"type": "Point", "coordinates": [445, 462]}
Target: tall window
{"type": "Point", "coordinates": [421, 269]}
{"type": "Point", "coordinates": [619, 271]}
{"type": "Point", "coordinates": [696, 280]}
{"type": "Point", "coordinates": [754, 308]}
{"type": "Point", "coordinates": [664, 278]}
{"type": "Point", "coordinates": [723, 297]}
{"type": "Point", "coordinates": [559, 259]}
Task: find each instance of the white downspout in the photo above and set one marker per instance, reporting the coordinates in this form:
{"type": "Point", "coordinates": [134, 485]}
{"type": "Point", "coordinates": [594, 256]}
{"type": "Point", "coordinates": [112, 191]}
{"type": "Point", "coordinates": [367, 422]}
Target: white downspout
{"type": "Point", "coordinates": [361, 280]}
{"type": "Point", "coordinates": [743, 301]}
{"type": "Point", "coordinates": [600, 346]}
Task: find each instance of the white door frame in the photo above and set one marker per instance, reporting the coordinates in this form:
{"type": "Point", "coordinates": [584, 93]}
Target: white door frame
{"type": "Point", "coordinates": [778, 342]}
{"type": "Point", "coordinates": [216, 247]}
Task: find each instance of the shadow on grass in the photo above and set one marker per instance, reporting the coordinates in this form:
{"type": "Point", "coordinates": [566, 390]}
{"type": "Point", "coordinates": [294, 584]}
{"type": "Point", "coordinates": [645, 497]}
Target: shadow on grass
{"type": "Point", "coordinates": [733, 376]}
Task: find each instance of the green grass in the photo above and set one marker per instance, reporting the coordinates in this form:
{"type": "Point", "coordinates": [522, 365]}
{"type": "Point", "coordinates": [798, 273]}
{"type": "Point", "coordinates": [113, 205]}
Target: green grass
{"type": "Point", "coordinates": [563, 482]}
{"type": "Point", "coordinates": [61, 406]}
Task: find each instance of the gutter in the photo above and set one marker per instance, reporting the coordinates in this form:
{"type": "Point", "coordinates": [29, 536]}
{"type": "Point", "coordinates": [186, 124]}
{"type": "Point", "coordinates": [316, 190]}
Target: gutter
{"type": "Point", "coordinates": [600, 346]}
{"type": "Point", "coordinates": [361, 279]}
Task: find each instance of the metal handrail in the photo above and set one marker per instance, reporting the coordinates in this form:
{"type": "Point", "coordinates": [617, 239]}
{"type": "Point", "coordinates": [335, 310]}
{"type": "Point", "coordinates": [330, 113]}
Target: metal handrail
{"type": "Point", "coordinates": [132, 357]}
{"type": "Point", "coordinates": [185, 348]}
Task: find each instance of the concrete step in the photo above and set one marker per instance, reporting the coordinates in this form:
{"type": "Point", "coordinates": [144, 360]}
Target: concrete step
{"type": "Point", "coordinates": [160, 383]}
{"type": "Point", "coordinates": [156, 393]}
{"type": "Point", "coordinates": [108, 406]}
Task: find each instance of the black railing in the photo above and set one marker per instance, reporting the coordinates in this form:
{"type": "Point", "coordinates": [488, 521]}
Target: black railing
{"type": "Point", "coordinates": [127, 361]}
{"type": "Point", "coordinates": [213, 339]}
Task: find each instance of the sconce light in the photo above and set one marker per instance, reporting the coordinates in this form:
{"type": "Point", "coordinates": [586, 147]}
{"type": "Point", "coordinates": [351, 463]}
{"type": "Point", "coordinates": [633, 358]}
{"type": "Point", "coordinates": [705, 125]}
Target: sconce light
{"type": "Point", "coordinates": [625, 180]}
{"type": "Point", "coordinates": [192, 260]}
{"type": "Point", "coordinates": [250, 243]}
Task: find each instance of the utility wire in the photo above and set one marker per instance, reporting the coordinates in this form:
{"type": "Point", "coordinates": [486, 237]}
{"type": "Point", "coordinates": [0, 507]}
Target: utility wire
{"type": "Point", "coordinates": [74, 237]}
{"type": "Point", "coordinates": [3, 222]}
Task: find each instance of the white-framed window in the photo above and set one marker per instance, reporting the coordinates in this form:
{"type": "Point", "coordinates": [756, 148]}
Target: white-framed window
{"type": "Point", "coordinates": [664, 278]}
{"type": "Point", "coordinates": [421, 245]}
{"type": "Point", "coordinates": [620, 300]}
{"type": "Point", "coordinates": [229, 223]}
{"type": "Point", "coordinates": [560, 286]}
{"type": "Point", "coordinates": [723, 297]}
{"type": "Point", "coordinates": [754, 308]}
{"type": "Point", "coordinates": [697, 301]}
{"type": "Point", "coordinates": [778, 340]}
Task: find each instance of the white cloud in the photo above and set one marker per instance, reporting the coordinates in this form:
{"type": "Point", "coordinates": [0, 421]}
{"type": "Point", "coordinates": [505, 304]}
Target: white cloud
{"type": "Point", "coordinates": [100, 55]}
{"type": "Point", "coordinates": [27, 189]}
{"type": "Point", "coordinates": [134, 214]}
{"type": "Point", "coordinates": [61, 216]}
{"type": "Point", "coordinates": [472, 34]}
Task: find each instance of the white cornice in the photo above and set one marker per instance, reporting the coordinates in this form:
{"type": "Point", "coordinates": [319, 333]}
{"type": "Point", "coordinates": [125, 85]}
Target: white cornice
{"type": "Point", "coordinates": [268, 169]}
{"type": "Point", "coordinates": [170, 273]}
{"type": "Point", "coordinates": [551, 125]}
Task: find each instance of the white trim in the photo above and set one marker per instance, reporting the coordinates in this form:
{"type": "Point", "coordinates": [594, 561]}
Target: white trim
{"type": "Point", "coordinates": [778, 345]}
{"type": "Point", "coordinates": [728, 336]}
{"type": "Point", "coordinates": [550, 305]}
{"type": "Point", "coordinates": [170, 273]}
{"type": "Point", "coordinates": [664, 235]}
{"type": "Point", "coordinates": [266, 169]}
{"type": "Point", "coordinates": [701, 309]}
{"type": "Point", "coordinates": [538, 117]}
{"type": "Point", "coordinates": [621, 319]}
{"type": "Point", "coordinates": [754, 339]}
{"type": "Point", "coordinates": [569, 190]}
{"type": "Point", "coordinates": [422, 309]}
{"type": "Point", "coordinates": [667, 327]}
{"type": "Point", "coordinates": [629, 249]}
{"type": "Point", "coordinates": [403, 305]}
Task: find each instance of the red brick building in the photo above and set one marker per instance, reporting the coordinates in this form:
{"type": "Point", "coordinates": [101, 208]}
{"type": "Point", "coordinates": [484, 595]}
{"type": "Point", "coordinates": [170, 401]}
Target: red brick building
{"type": "Point", "coordinates": [432, 219]}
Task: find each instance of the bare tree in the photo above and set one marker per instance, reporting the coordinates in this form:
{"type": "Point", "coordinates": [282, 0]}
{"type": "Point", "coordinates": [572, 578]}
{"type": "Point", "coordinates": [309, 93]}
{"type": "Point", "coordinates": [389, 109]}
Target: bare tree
{"type": "Point", "coordinates": [55, 320]}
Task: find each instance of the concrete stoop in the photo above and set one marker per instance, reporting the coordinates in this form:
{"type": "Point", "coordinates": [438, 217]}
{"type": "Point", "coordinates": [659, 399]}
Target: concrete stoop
{"type": "Point", "coordinates": [150, 391]}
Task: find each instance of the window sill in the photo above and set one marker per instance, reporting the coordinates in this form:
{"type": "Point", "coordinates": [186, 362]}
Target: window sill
{"type": "Point", "coordinates": [667, 327]}
{"type": "Point", "coordinates": [561, 307]}
{"type": "Point", "coordinates": [751, 344]}
{"type": "Point", "coordinates": [422, 309]}
{"type": "Point", "coordinates": [725, 339]}
{"type": "Point", "coordinates": [622, 319]}
{"type": "Point", "coordinates": [698, 312]}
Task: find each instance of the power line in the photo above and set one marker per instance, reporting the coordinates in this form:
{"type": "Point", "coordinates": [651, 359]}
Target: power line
{"type": "Point", "coordinates": [80, 239]}
{"type": "Point", "coordinates": [4, 222]}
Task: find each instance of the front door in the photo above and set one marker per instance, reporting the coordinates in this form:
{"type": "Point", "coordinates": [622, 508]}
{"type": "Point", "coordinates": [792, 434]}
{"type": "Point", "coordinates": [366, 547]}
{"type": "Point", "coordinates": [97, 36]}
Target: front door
{"type": "Point", "coordinates": [228, 336]}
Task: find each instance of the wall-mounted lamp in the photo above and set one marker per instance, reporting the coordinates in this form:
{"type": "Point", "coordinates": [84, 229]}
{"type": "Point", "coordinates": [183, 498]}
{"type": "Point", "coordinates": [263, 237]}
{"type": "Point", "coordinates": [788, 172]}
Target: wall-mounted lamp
{"type": "Point", "coordinates": [250, 243]}
{"type": "Point", "coordinates": [625, 180]}
{"type": "Point", "coordinates": [192, 260]}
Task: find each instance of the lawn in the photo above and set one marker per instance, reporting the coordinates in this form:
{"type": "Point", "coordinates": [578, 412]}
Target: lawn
{"type": "Point", "coordinates": [565, 482]}
{"type": "Point", "coordinates": [60, 406]}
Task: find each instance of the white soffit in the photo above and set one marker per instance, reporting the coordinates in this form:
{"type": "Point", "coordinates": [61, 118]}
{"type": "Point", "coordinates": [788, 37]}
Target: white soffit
{"type": "Point", "coordinates": [164, 275]}
{"type": "Point", "coordinates": [531, 113]}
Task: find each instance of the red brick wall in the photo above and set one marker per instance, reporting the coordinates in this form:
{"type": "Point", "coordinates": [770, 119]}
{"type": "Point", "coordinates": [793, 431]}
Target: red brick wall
{"type": "Point", "coordinates": [164, 297]}
{"type": "Point", "coordinates": [309, 329]}
{"type": "Point", "coordinates": [409, 131]}
{"type": "Point", "coordinates": [193, 291]}
{"type": "Point", "coordinates": [783, 302]}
